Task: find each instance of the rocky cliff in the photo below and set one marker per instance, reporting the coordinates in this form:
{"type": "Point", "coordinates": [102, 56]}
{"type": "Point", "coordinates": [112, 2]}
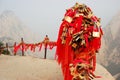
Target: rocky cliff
{"type": "Point", "coordinates": [109, 55]}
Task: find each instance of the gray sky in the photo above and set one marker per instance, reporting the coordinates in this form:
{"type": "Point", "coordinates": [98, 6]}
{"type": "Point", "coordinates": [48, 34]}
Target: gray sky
{"type": "Point", "coordinates": [44, 16]}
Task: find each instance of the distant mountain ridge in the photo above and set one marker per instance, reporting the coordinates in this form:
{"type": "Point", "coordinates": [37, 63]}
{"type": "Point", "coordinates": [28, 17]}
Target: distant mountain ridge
{"type": "Point", "coordinates": [109, 55]}
{"type": "Point", "coordinates": [13, 28]}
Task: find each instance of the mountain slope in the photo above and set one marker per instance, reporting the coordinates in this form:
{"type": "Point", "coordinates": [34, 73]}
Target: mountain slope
{"type": "Point", "coordinates": [110, 52]}
{"type": "Point", "coordinates": [117, 76]}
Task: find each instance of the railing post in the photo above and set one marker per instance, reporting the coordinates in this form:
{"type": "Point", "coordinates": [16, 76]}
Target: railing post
{"type": "Point", "coordinates": [45, 51]}
{"type": "Point", "coordinates": [7, 48]}
{"type": "Point", "coordinates": [14, 47]}
{"type": "Point", "coordinates": [22, 41]}
{"type": "Point", "coordinates": [46, 42]}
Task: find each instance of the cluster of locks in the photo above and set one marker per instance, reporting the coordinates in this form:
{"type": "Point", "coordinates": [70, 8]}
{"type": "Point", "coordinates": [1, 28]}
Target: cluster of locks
{"type": "Point", "coordinates": [79, 39]}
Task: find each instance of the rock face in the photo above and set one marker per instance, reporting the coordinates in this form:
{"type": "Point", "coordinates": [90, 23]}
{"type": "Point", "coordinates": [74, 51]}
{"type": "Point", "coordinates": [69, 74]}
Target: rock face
{"type": "Point", "coordinates": [12, 29]}
{"type": "Point", "coordinates": [117, 76]}
{"type": "Point", "coordinates": [22, 68]}
{"type": "Point", "coordinates": [101, 71]}
{"type": "Point", "coordinates": [109, 55]}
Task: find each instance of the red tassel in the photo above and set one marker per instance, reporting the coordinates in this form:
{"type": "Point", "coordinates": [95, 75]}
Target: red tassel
{"type": "Point", "coordinates": [77, 23]}
{"type": "Point", "coordinates": [40, 46]}
{"type": "Point", "coordinates": [16, 48]}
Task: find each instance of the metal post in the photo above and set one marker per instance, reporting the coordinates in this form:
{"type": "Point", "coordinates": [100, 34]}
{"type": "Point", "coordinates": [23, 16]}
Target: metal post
{"type": "Point", "coordinates": [45, 51]}
{"type": "Point", "coordinates": [22, 41]}
{"type": "Point", "coordinates": [14, 51]}
{"type": "Point", "coordinates": [7, 47]}
{"type": "Point", "coordinates": [46, 41]}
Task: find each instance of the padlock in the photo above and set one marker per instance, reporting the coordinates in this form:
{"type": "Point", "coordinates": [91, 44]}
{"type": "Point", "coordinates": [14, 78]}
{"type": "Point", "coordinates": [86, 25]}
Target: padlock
{"type": "Point", "coordinates": [96, 34]}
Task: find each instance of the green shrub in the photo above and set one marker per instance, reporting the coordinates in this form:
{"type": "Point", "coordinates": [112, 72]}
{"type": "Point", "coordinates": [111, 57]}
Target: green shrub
{"type": "Point", "coordinates": [3, 50]}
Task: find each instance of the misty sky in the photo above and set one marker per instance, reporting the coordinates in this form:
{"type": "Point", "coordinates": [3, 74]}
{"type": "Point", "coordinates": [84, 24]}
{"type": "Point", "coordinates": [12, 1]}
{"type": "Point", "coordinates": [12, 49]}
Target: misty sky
{"type": "Point", "coordinates": [44, 16]}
